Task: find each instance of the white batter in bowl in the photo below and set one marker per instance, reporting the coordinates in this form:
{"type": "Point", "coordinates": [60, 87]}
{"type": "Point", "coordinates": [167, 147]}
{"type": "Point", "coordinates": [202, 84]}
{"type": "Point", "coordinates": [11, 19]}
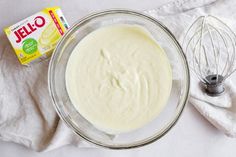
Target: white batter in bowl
{"type": "Point", "coordinates": [118, 78]}
{"type": "Point", "coordinates": [122, 73]}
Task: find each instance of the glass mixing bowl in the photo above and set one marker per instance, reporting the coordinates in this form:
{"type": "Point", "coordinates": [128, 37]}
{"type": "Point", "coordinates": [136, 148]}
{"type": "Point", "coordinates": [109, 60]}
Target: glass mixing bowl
{"type": "Point", "coordinates": [153, 130]}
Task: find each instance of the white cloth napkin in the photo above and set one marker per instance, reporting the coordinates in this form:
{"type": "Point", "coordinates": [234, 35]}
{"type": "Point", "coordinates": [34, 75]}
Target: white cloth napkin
{"type": "Point", "coordinates": [27, 115]}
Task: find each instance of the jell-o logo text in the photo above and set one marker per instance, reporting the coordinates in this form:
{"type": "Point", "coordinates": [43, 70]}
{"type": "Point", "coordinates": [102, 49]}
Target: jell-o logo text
{"type": "Point", "coordinates": [29, 28]}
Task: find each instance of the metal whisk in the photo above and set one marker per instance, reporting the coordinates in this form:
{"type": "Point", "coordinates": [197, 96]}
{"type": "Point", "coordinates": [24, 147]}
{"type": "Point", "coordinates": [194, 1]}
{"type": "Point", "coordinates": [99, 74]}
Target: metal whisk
{"type": "Point", "coordinates": [209, 45]}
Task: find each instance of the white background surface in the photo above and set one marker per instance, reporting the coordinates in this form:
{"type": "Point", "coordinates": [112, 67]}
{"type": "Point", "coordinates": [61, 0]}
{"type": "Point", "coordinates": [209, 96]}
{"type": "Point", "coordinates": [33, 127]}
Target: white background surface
{"type": "Point", "coordinates": [192, 135]}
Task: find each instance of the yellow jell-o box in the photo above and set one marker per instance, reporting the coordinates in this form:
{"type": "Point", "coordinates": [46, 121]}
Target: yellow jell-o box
{"type": "Point", "coordinates": [35, 37]}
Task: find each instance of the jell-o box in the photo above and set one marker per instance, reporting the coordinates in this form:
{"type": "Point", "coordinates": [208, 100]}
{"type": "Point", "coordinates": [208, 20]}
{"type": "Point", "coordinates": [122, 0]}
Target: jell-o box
{"type": "Point", "coordinates": [35, 37]}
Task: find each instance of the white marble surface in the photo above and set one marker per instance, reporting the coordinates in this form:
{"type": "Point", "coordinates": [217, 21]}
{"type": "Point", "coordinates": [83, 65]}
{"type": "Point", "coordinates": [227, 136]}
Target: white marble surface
{"type": "Point", "coordinates": [192, 135]}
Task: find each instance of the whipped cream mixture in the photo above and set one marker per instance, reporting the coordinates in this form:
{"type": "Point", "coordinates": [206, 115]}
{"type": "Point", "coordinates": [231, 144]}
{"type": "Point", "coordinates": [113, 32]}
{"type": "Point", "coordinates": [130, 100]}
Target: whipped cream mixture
{"type": "Point", "coordinates": [119, 78]}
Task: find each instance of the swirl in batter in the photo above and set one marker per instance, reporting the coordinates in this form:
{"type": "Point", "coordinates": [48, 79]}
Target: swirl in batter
{"type": "Point", "coordinates": [119, 78]}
